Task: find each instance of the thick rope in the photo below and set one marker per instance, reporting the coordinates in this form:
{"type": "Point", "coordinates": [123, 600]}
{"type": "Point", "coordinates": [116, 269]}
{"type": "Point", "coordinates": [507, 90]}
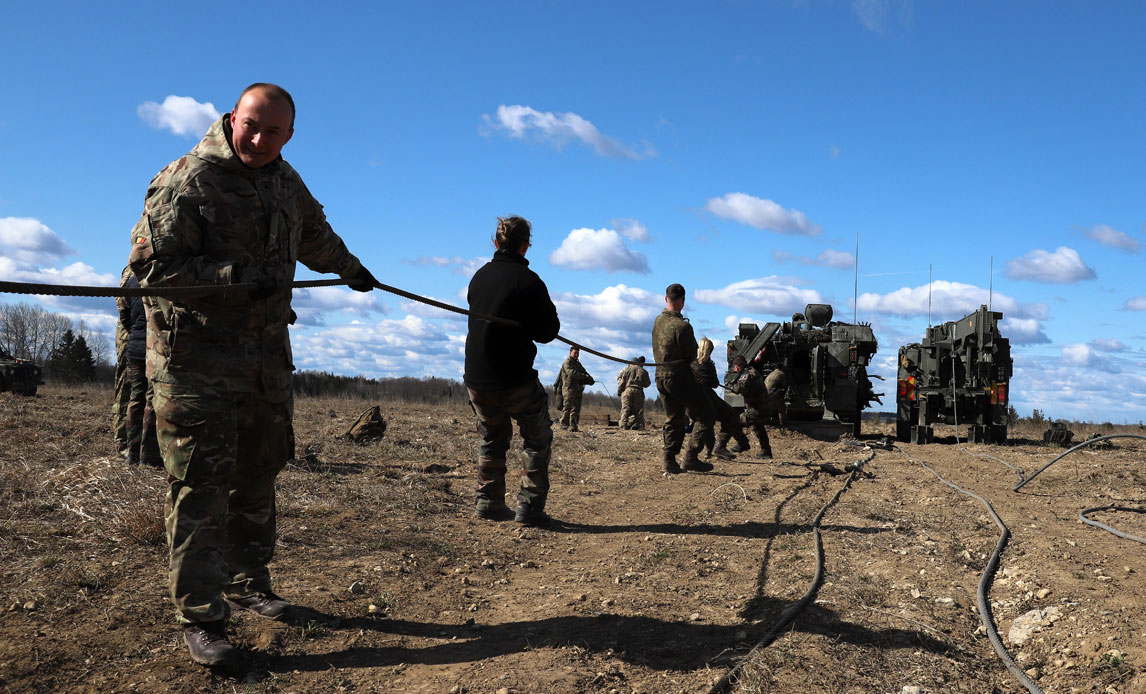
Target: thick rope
{"type": "Point", "coordinates": [76, 290]}
{"type": "Point", "coordinates": [1084, 444]}
{"type": "Point", "coordinates": [790, 613]}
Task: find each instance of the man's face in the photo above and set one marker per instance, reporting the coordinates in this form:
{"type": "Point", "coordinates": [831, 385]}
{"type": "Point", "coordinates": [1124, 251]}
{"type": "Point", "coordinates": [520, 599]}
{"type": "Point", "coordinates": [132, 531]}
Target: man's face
{"type": "Point", "coordinates": [575, 353]}
{"type": "Point", "coordinates": [261, 126]}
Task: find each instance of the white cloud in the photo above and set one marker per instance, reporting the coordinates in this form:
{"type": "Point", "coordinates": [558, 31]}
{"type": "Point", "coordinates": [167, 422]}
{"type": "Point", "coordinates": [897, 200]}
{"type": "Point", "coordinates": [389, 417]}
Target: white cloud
{"type": "Point", "coordinates": [517, 121]}
{"type": "Point", "coordinates": [457, 264]}
{"type": "Point", "coordinates": [767, 295]}
{"type": "Point", "coordinates": [631, 229]}
{"type": "Point", "coordinates": [29, 240]}
{"type": "Point", "coordinates": [1085, 356]}
{"type": "Point", "coordinates": [839, 260]}
{"type": "Point", "coordinates": [1079, 385]}
{"type": "Point", "coordinates": [1108, 236]}
{"type": "Point", "coordinates": [1107, 344]}
{"type": "Point", "coordinates": [1137, 303]}
{"type": "Point", "coordinates": [949, 300]}
{"type": "Point", "coordinates": [386, 348]}
{"type": "Point", "coordinates": [876, 15]}
{"type": "Point", "coordinates": [761, 214]}
{"type": "Point", "coordinates": [1063, 266]}
{"type": "Point", "coordinates": [1023, 331]}
{"type": "Point", "coordinates": [316, 304]}
{"type": "Point", "coordinates": [598, 249]}
{"type": "Point", "coordinates": [617, 308]}
{"type": "Point", "coordinates": [181, 115]}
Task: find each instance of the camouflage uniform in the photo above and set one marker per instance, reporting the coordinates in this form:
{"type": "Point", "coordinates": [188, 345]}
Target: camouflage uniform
{"type": "Point", "coordinates": [573, 380]}
{"type": "Point", "coordinates": [631, 384]}
{"type": "Point", "coordinates": [776, 385]}
{"type": "Point", "coordinates": [142, 445]}
{"type": "Point", "coordinates": [757, 404]}
{"type": "Point", "coordinates": [122, 390]}
{"type": "Point", "coordinates": [221, 363]}
{"type": "Point", "coordinates": [683, 397]}
{"type": "Point", "coordinates": [730, 428]}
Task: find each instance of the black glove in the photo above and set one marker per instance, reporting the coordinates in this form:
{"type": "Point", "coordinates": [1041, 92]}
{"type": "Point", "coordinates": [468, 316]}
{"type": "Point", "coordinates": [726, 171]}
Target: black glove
{"type": "Point", "coordinates": [363, 281]}
{"type": "Point", "coordinates": [266, 285]}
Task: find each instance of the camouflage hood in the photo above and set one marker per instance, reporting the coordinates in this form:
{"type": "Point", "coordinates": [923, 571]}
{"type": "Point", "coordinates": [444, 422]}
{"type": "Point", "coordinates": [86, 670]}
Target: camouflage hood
{"type": "Point", "coordinates": [215, 148]}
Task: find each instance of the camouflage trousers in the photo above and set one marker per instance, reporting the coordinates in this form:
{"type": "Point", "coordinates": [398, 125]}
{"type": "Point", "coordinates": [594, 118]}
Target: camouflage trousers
{"type": "Point", "coordinates": [528, 405]}
{"type": "Point", "coordinates": [571, 413]}
{"type": "Point", "coordinates": [142, 443]}
{"type": "Point", "coordinates": [729, 418]}
{"type": "Point", "coordinates": [222, 451]}
{"type": "Point", "coordinates": [757, 417]}
{"type": "Point", "coordinates": [119, 405]}
{"type": "Point", "coordinates": [633, 408]}
{"type": "Point", "coordinates": [683, 399]}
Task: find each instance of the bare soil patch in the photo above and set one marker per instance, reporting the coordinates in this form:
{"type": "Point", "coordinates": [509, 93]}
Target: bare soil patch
{"type": "Point", "coordinates": [644, 583]}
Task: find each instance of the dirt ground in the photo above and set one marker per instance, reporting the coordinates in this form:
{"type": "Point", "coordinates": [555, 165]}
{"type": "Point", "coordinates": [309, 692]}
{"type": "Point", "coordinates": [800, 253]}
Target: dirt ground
{"type": "Point", "coordinates": [644, 583]}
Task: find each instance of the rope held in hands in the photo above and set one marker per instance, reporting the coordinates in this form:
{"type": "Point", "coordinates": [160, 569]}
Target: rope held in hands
{"type": "Point", "coordinates": [240, 289]}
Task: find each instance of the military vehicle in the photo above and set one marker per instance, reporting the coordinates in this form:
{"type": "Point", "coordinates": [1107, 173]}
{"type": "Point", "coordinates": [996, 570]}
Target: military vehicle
{"type": "Point", "coordinates": [18, 375]}
{"type": "Point", "coordinates": [825, 362]}
{"type": "Point", "coordinates": [959, 374]}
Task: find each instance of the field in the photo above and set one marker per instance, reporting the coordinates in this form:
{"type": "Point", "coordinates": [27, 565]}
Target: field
{"type": "Point", "coordinates": [644, 583]}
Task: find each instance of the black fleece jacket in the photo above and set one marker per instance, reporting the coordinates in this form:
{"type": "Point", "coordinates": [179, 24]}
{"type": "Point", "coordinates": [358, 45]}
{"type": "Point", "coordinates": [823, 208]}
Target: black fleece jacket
{"type": "Point", "coordinates": [498, 356]}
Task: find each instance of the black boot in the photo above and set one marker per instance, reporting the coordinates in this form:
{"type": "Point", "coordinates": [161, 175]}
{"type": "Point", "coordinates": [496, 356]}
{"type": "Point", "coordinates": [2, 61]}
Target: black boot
{"type": "Point", "coordinates": [694, 464]}
{"type": "Point", "coordinates": [671, 466]}
{"type": "Point", "coordinates": [720, 451]}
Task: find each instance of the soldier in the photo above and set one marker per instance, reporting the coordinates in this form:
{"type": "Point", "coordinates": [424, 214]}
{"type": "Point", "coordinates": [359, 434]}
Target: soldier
{"type": "Point", "coordinates": [122, 390]}
{"type": "Point", "coordinates": [705, 372]}
{"type": "Point", "coordinates": [500, 378]}
{"type": "Point", "coordinates": [572, 381]}
{"type": "Point", "coordinates": [631, 384]}
{"type": "Point", "coordinates": [142, 446]}
{"type": "Point", "coordinates": [674, 349]}
{"type": "Point", "coordinates": [757, 403]}
{"type": "Point", "coordinates": [230, 211]}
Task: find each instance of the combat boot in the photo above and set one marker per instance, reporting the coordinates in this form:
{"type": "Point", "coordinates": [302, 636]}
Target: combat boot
{"type": "Point", "coordinates": [694, 464]}
{"type": "Point", "coordinates": [265, 604]}
{"type": "Point", "coordinates": [766, 449]}
{"type": "Point", "coordinates": [208, 644]}
{"type": "Point", "coordinates": [741, 444]}
{"type": "Point", "coordinates": [493, 512]}
{"type": "Point", "coordinates": [720, 451]}
{"type": "Point", "coordinates": [671, 466]}
{"type": "Point", "coordinates": [531, 517]}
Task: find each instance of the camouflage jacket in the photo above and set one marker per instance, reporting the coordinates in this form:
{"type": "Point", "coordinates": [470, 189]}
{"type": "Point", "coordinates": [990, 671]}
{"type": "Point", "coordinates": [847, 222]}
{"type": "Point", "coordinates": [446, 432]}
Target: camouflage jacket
{"type": "Point", "coordinates": [574, 377]}
{"type": "Point", "coordinates": [750, 386]}
{"type": "Point", "coordinates": [206, 219]}
{"type": "Point", "coordinates": [632, 376]}
{"type": "Point", "coordinates": [673, 341]}
{"type": "Point", "coordinates": [776, 384]}
{"type": "Point", "coordinates": [705, 372]}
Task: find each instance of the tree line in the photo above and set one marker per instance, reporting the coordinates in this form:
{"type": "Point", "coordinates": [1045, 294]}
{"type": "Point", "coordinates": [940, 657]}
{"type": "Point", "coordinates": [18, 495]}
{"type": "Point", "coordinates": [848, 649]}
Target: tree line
{"type": "Point", "coordinates": [70, 351]}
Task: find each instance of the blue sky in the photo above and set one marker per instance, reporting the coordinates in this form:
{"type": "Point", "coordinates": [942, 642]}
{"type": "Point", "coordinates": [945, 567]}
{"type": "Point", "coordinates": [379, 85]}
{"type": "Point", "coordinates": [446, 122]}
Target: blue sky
{"type": "Point", "coordinates": [736, 147]}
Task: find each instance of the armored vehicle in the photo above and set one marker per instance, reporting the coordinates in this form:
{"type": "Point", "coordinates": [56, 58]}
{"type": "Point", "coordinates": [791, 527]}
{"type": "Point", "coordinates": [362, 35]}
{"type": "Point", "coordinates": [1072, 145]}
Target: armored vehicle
{"type": "Point", "coordinates": [959, 374]}
{"type": "Point", "coordinates": [18, 375]}
{"type": "Point", "coordinates": [825, 363]}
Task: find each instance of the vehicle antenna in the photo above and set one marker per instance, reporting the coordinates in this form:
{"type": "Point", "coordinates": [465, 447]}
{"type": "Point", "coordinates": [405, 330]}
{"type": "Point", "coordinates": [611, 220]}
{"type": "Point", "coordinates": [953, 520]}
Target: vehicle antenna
{"type": "Point", "coordinates": [929, 295]}
{"type": "Point", "coordinates": [855, 290]}
{"type": "Point", "coordinates": [991, 284]}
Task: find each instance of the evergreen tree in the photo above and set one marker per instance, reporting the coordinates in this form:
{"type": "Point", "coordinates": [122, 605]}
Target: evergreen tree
{"type": "Point", "coordinates": [71, 361]}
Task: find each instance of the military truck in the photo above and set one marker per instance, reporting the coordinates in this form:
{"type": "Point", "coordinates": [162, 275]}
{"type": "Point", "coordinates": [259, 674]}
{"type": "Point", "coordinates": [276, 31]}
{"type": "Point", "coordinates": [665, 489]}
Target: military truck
{"type": "Point", "coordinates": [959, 374]}
{"type": "Point", "coordinates": [825, 362]}
{"type": "Point", "coordinates": [18, 375]}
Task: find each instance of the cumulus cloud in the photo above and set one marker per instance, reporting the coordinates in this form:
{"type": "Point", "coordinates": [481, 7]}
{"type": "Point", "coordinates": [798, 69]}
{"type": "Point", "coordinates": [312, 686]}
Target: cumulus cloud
{"type": "Point", "coordinates": [557, 129]}
{"type": "Point", "coordinates": [949, 300]}
{"type": "Point", "coordinates": [767, 295]}
{"type": "Point", "coordinates": [598, 249]}
{"type": "Point", "coordinates": [1137, 303]}
{"type": "Point", "coordinates": [618, 308]}
{"type": "Point", "coordinates": [181, 115]}
{"type": "Point", "coordinates": [631, 229]}
{"type": "Point", "coordinates": [1077, 384]}
{"type": "Point", "coordinates": [1108, 236]}
{"type": "Point", "coordinates": [29, 240]}
{"type": "Point", "coordinates": [458, 265]}
{"type": "Point", "coordinates": [839, 260]}
{"type": "Point", "coordinates": [1023, 331]}
{"type": "Point", "coordinates": [315, 304]}
{"type": "Point", "coordinates": [386, 348]}
{"type": "Point", "coordinates": [1063, 266]}
{"type": "Point", "coordinates": [761, 214]}
{"type": "Point", "coordinates": [1079, 355]}
{"type": "Point", "coordinates": [1107, 344]}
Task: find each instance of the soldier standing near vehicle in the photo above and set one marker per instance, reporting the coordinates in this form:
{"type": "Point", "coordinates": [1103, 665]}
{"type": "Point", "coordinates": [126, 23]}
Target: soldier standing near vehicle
{"type": "Point", "coordinates": [572, 381]}
{"type": "Point", "coordinates": [500, 378]}
{"type": "Point", "coordinates": [674, 349]}
{"type": "Point", "coordinates": [230, 211]}
{"type": "Point", "coordinates": [631, 384]}
{"type": "Point", "coordinates": [757, 402]}
{"type": "Point", "coordinates": [705, 372]}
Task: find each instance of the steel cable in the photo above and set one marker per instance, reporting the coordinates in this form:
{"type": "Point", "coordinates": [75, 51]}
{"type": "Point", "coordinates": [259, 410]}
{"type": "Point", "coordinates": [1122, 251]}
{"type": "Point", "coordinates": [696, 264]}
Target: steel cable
{"type": "Point", "coordinates": [790, 613]}
{"type": "Point", "coordinates": [227, 289]}
{"type": "Point", "coordinates": [985, 581]}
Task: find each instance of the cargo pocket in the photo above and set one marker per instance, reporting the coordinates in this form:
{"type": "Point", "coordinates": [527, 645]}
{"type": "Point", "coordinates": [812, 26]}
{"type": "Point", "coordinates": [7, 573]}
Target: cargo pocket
{"type": "Point", "coordinates": [181, 427]}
